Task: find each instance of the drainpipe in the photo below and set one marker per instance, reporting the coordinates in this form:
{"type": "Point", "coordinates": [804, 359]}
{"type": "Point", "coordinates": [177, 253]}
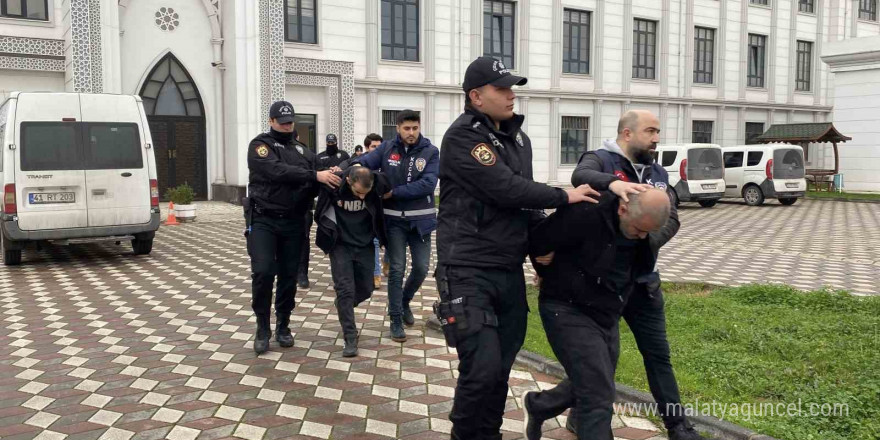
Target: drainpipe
{"type": "Point", "coordinates": [219, 118]}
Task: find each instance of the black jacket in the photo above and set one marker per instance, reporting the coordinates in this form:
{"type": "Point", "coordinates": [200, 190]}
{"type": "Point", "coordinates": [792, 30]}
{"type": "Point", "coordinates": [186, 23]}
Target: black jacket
{"type": "Point", "coordinates": [325, 214]}
{"type": "Point", "coordinates": [282, 177]}
{"type": "Point", "coordinates": [327, 160]}
{"type": "Point", "coordinates": [584, 239]}
{"type": "Point", "coordinates": [486, 189]}
{"type": "Point", "coordinates": [590, 171]}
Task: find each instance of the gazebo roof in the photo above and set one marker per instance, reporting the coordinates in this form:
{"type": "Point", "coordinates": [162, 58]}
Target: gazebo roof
{"type": "Point", "coordinates": [816, 132]}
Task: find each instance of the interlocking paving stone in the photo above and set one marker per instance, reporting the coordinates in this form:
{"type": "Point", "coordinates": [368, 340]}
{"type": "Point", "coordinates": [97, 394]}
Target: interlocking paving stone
{"type": "Point", "coordinates": [158, 346]}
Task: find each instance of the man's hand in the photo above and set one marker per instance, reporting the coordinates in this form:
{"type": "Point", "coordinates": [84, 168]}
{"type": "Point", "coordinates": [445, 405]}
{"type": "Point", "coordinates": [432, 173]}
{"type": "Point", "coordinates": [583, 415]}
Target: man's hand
{"type": "Point", "coordinates": [582, 194]}
{"type": "Point", "coordinates": [537, 281]}
{"type": "Point", "coordinates": [624, 189]}
{"type": "Point", "coordinates": [327, 177]}
{"type": "Point", "coordinates": [336, 169]}
{"type": "Point", "coordinates": [387, 195]}
{"type": "Point", "coordinates": [546, 259]}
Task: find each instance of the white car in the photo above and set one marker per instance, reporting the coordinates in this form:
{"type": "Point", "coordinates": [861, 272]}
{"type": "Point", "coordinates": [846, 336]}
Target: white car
{"type": "Point", "coordinates": [696, 172]}
{"type": "Point", "coordinates": [758, 172]}
{"type": "Point", "coordinates": [76, 167]}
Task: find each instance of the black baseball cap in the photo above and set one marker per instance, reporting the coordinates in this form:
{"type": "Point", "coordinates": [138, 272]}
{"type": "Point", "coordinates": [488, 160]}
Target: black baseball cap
{"type": "Point", "coordinates": [282, 111]}
{"type": "Point", "coordinates": [489, 70]}
{"type": "Point", "coordinates": [331, 138]}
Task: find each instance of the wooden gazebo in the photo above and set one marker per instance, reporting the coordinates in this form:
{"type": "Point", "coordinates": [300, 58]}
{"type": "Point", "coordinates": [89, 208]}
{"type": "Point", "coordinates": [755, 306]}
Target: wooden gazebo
{"type": "Point", "coordinates": [804, 135]}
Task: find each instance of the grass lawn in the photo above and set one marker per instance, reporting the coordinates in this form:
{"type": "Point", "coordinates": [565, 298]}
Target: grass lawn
{"type": "Point", "coordinates": [765, 344]}
{"type": "Point", "coordinates": [843, 195]}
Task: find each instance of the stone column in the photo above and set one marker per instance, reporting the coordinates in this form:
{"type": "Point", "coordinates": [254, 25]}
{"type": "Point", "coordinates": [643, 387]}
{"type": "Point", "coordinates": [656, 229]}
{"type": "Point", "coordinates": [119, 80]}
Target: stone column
{"type": "Point", "coordinates": [430, 44]}
{"type": "Point", "coordinates": [554, 140]}
{"type": "Point", "coordinates": [372, 22]}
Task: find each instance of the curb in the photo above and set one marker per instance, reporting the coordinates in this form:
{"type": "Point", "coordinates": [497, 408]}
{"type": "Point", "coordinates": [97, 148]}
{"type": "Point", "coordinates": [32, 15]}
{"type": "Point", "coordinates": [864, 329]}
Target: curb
{"type": "Point", "coordinates": [717, 427]}
{"type": "Point", "coordinates": [841, 199]}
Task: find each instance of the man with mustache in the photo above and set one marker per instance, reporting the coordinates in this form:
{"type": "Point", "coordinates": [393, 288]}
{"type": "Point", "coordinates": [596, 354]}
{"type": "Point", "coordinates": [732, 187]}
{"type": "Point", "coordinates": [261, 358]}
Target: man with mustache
{"type": "Point", "coordinates": [629, 159]}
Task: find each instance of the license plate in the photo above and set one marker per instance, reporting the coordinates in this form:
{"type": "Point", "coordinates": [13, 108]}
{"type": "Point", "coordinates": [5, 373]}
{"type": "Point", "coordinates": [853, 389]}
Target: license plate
{"type": "Point", "coordinates": [791, 185]}
{"type": "Point", "coordinates": [46, 198]}
{"type": "Point", "coordinates": [708, 186]}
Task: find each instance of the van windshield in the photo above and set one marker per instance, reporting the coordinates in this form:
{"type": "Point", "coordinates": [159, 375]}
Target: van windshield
{"type": "Point", "coordinates": [788, 164]}
{"type": "Point", "coordinates": [705, 164]}
{"type": "Point", "coordinates": [49, 146]}
{"type": "Point", "coordinates": [112, 146]}
{"type": "Point", "coordinates": [60, 146]}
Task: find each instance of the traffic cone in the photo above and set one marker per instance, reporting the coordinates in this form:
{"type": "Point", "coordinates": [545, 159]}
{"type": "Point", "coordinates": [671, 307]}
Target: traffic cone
{"type": "Point", "coordinates": [172, 219]}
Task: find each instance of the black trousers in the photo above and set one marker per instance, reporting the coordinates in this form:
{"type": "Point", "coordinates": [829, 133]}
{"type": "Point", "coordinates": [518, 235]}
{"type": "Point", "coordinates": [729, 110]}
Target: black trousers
{"type": "Point", "coordinates": [486, 352]}
{"type": "Point", "coordinates": [274, 245]}
{"type": "Point", "coordinates": [646, 317]}
{"type": "Point", "coordinates": [303, 273]}
{"type": "Point", "coordinates": [352, 269]}
{"type": "Point", "coordinates": [588, 352]}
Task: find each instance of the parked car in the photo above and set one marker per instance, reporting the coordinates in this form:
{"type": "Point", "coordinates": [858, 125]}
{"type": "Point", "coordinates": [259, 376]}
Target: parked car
{"type": "Point", "coordinates": [76, 167]}
{"type": "Point", "coordinates": [696, 172]}
{"type": "Point", "coordinates": [758, 172]}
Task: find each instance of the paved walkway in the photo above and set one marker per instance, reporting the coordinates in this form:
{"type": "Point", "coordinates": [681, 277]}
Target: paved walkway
{"type": "Point", "coordinates": [97, 343]}
{"type": "Point", "coordinates": [809, 245]}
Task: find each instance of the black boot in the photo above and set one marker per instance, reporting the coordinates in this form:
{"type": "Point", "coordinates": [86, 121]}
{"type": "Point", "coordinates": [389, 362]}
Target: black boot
{"type": "Point", "coordinates": [531, 424]}
{"type": "Point", "coordinates": [261, 340]}
{"type": "Point", "coordinates": [282, 331]}
{"type": "Point", "coordinates": [303, 280]}
{"type": "Point", "coordinates": [408, 317]}
{"type": "Point", "coordinates": [397, 332]}
{"type": "Point", "coordinates": [683, 431]}
{"type": "Point", "coordinates": [351, 346]}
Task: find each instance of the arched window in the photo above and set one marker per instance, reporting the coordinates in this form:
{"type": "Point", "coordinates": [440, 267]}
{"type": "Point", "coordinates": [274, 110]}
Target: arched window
{"type": "Point", "coordinates": [170, 91]}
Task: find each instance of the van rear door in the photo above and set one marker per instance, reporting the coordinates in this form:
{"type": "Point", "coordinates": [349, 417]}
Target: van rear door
{"type": "Point", "coordinates": [788, 170]}
{"type": "Point", "coordinates": [49, 177]}
{"type": "Point", "coordinates": [705, 170]}
{"type": "Point", "coordinates": [117, 177]}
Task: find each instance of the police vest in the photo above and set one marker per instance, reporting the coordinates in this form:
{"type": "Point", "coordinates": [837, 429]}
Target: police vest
{"type": "Point", "coordinates": [402, 169]}
{"type": "Point", "coordinates": [613, 164]}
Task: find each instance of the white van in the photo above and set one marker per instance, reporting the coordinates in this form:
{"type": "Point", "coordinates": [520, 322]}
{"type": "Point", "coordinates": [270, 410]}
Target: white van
{"type": "Point", "coordinates": [757, 172]}
{"type": "Point", "coordinates": [696, 172]}
{"type": "Point", "coordinates": [76, 167]}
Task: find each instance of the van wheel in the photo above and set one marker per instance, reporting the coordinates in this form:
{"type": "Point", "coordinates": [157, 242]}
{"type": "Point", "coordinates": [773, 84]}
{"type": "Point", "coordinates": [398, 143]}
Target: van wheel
{"type": "Point", "coordinates": [11, 257]}
{"type": "Point", "coordinates": [708, 203]}
{"type": "Point", "coordinates": [788, 201]}
{"type": "Point", "coordinates": [673, 198]}
{"type": "Point", "coordinates": [142, 247]}
{"type": "Point", "coordinates": [753, 195]}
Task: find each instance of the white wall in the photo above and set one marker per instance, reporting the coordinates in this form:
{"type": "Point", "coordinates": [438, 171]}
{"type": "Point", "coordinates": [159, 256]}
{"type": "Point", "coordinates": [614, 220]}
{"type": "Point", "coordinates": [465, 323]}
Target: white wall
{"type": "Point", "coordinates": [143, 44]}
{"type": "Point", "coordinates": [22, 81]}
{"type": "Point", "coordinates": [857, 114]}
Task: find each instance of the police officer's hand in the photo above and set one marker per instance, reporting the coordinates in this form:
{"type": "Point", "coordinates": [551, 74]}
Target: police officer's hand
{"type": "Point", "coordinates": [329, 178]}
{"type": "Point", "coordinates": [336, 169]}
{"type": "Point", "coordinates": [623, 189]}
{"type": "Point", "coordinates": [582, 194]}
{"type": "Point", "coordinates": [387, 195]}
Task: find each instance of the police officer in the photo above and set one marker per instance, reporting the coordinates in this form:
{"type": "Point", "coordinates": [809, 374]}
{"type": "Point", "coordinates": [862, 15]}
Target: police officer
{"type": "Point", "coordinates": [282, 184]}
{"type": "Point", "coordinates": [629, 159]}
{"type": "Point", "coordinates": [332, 156]}
{"type": "Point", "coordinates": [486, 193]}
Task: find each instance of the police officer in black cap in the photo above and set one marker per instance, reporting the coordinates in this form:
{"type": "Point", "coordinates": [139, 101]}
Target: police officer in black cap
{"type": "Point", "coordinates": [332, 156]}
{"type": "Point", "coordinates": [488, 201]}
{"type": "Point", "coordinates": [283, 183]}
